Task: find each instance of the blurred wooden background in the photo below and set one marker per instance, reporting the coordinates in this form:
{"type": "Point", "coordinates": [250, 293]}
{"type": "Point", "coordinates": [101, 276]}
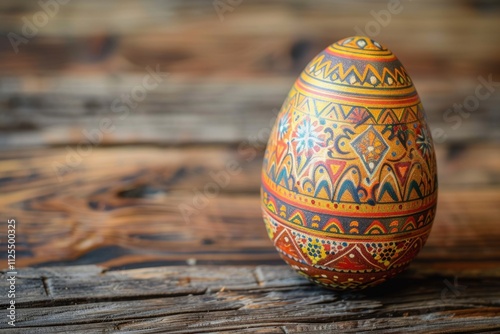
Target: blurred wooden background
{"type": "Point", "coordinates": [224, 74]}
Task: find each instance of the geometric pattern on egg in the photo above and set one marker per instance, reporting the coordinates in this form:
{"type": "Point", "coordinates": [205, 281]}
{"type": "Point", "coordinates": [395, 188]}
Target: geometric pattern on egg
{"type": "Point", "coordinates": [349, 180]}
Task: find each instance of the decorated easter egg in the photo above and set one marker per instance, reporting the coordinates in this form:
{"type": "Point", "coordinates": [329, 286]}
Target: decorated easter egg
{"type": "Point", "coordinates": [349, 184]}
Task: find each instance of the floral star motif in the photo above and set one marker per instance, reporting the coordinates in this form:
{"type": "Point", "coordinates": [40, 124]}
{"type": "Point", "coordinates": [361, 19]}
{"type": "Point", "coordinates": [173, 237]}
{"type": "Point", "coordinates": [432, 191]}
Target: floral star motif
{"type": "Point", "coordinates": [307, 137]}
{"type": "Point", "coordinates": [423, 141]}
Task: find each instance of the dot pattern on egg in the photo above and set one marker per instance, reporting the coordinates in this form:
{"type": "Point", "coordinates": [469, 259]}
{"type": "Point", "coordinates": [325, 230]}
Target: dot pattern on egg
{"type": "Point", "coordinates": [349, 185]}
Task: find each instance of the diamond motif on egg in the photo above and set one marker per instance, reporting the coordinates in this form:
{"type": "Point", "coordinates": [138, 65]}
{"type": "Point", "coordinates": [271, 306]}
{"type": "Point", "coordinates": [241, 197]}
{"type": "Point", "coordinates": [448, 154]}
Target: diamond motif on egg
{"type": "Point", "coordinates": [370, 148]}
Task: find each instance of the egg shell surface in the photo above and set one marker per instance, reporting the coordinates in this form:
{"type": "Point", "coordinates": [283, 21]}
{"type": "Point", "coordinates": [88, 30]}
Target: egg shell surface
{"type": "Point", "coordinates": [349, 180]}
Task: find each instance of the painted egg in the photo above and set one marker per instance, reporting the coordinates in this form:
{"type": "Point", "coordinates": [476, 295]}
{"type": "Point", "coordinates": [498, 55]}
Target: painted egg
{"type": "Point", "coordinates": [349, 184]}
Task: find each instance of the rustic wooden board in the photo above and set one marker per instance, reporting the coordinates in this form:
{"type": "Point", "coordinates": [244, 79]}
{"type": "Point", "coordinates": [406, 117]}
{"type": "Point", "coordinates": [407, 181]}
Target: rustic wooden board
{"type": "Point", "coordinates": [266, 299]}
{"type": "Point", "coordinates": [187, 111]}
{"type": "Point", "coordinates": [254, 38]}
{"type": "Point", "coordinates": [116, 203]}
{"type": "Point", "coordinates": [120, 207]}
{"type": "Point", "coordinates": [225, 78]}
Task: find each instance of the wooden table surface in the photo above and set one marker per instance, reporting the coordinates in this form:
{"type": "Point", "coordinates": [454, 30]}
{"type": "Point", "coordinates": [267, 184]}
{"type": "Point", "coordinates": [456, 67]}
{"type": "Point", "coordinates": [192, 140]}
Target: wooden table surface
{"type": "Point", "coordinates": [103, 239]}
{"type": "Point", "coordinates": [219, 272]}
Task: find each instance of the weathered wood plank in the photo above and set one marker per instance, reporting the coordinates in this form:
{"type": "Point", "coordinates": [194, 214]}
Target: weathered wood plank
{"type": "Point", "coordinates": [225, 78]}
{"type": "Point", "coordinates": [121, 207]}
{"type": "Point", "coordinates": [180, 169]}
{"type": "Point", "coordinates": [62, 287]}
{"type": "Point", "coordinates": [262, 298]}
{"type": "Point", "coordinates": [27, 290]}
{"type": "Point", "coordinates": [187, 35]}
{"type": "Point", "coordinates": [182, 111]}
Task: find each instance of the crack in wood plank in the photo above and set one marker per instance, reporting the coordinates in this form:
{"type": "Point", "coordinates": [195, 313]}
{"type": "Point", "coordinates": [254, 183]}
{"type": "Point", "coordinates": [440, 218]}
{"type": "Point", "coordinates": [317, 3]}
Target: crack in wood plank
{"type": "Point", "coordinates": [283, 328]}
{"type": "Point", "coordinates": [259, 276]}
{"type": "Point", "coordinates": [46, 286]}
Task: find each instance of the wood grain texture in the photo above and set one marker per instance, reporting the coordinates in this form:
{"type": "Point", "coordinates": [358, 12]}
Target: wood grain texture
{"type": "Point", "coordinates": [113, 199]}
{"type": "Point", "coordinates": [191, 111]}
{"type": "Point", "coordinates": [263, 299]}
{"type": "Point", "coordinates": [120, 207]}
{"type": "Point", "coordinates": [226, 77]}
{"type": "Point", "coordinates": [255, 38]}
